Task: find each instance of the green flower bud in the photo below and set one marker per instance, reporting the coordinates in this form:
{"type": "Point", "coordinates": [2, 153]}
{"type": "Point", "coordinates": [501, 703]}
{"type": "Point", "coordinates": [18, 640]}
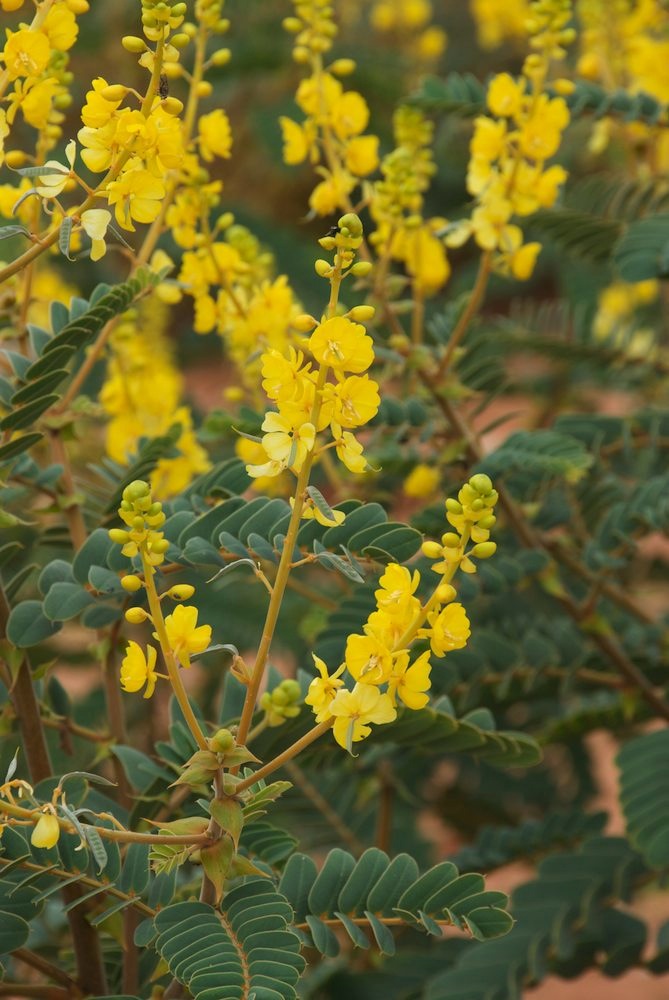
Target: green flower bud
{"type": "Point", "coordinates": [119, 536]}
{"type": "Point", "coordinates": [136, 490]}
{"type": "Point", "coordinates": [483, 550]}
{"type": "Point", "coordinates": [481, 483]}
{"type": "Point", "coordinates": [222, 742]}
{"type": "Point", "coordinates": [451, 540]}
{"type": "Point", "coordinates": [323, 268]}
{"type": "Point", "coordinates": [361, 269]}
{"type": "Point", "coordinates": [350, 225]}
{"type": "Point", "coordinates": [453, 507]}
{"type": "Point", "coordinates": [292, 689]}
{"type": "Point", "coordinates": [361, 314]}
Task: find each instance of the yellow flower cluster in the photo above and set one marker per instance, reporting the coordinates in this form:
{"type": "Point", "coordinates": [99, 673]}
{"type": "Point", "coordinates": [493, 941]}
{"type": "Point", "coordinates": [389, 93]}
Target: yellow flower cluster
{"type": "Point", "coordinates": [615, 319]}
{"type": "Point", "coordinates": [141, 395]}
{"type": "Point", "coordinates": [178, 634]}
{"type": "Point", "coordinates": [379, 660]}
{"type": "Point", "coordinates": [498, 22]}
{"type": "Point", "coordinates": [35, 61]}
{"type": "Point", "coordinates": [507, 170]}
{"type": "Point", "coordinates": [406, 24]}
{"type": "Point", "coordinates": [331, 134]}
{"type": "Point", "coordinates": [306, 401]}
{"type": "Point", "coordinates": [396, 205]}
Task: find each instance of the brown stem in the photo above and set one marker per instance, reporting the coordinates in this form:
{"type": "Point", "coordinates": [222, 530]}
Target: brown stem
{"type": "Point", "coordinates": [115, 712]}
{"type": "Point", "coordinates": [473, 306]}
{"type": "Point", "coordinates": [292, 751]}
{"type": "Point", "coordinates": [384, 822]}
{"type": "Point", "coordinates": [73, 514]}
{"type": "Point", "coordinates": [40, 991]}
{"type": "Point", "coordinates": [47, 968]}
{"type": "Point", "coordinates": [85, 939]}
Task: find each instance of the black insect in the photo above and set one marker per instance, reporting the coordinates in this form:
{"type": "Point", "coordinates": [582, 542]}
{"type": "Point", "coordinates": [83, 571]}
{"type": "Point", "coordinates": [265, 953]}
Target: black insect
{"type": "Point", "coordinates": [333, 230]}
{"type": "Point", "coordinates": [163, 87]}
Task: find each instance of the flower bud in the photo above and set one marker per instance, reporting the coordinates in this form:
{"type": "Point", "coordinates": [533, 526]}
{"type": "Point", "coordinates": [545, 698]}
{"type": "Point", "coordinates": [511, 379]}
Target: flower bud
{"type": "Point", "coordinates": [115, 92]}
{"type": "Point", "coordinates": [487, 522]}
{"type": "Point", "coordinates": [327, 242]}
{"type": "Point", "coordinates": [481, 483]}
{"type": "Point", "coordinates": [221, 57]}
{"type": "Point", "coordinates": [131, 583]}
{"type": "Point", "coordinates": [304, 323]}
{"type": "Point", "coordinates": [483, 550]}
{"type": "Point", "coordinates": [453, 507]}
{"type": "Point", "coordinates": [46, 831]}
{"type": "Point", "coordinates": [361, 269]}
{"type": "Point", "coordinates": [342, 67]}
{"type": "Point", "coordinates": [15, 158]}
{"type": "Point", "coordinates": [292, 24]}
{"type": "Point", "coordinates": [451, 540]}
{"type": "Point", "coordinates": [136, 490]}
{"type": "Point", "coordinates": [181, 591]}
{"type": "Point", "coordinates": [431, 549]}
{"type": "Point", "coordinates": [136, 616]}
{"type": "Point", "coordinates": [292, 689]}
{"type": "Point", "coordinates": [204, 89]}
{"type": "Point", "coordinates": [119, 536]}
{"type": "Point", "coordinates": [131, 43]}
{"type": "Point", "coordinates": [361, 314]}
{"type": "Point", "coordinates": [222, 741]}
{"type": "Point", "coordinates": [180, 40]}
{"type": "Point", "coordinates": [350, 225]}
{"type": "Point", "coordinates": [173, 106]}
{"type": "Point", "coordinates": [160, 545]}
{"type": "Point", "coordinates": [445, 593]}
{"type": "Point", "coordinates": [323, 268]}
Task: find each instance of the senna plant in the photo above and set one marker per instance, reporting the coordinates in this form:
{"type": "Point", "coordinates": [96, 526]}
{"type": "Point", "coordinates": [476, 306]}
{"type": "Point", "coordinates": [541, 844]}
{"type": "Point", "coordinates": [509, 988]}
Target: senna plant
{"type": "Point", "coordinates": [285, 683]}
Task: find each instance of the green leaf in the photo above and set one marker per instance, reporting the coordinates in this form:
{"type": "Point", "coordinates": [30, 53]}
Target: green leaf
{"type": "Point", "coordinates": [644, 795]}
{"type": "Point", "coordinates": [229, 815]}
{"type": "Point", "coordinates": [25, 416]}
{"type": "Point", "coordinates": [93, 552]}
{"type": "Point", "coordinates": [7, 232]}
{"type": "Point", "coordinates": [65, 601]}
{"type": "Point", "coordinates": [221, 954]}
{"type": "Point", "coordinates": [18, 446]}
{"type": "Point", "coordinates": [642, 252]}
{"type": "Point", "coordinates": [36, 388]}
{"type": "Point", "coordinates": [321, 504]}
{"type": "Point", "coordinates": [28, 625]}
{"type": "Point", "coordinates": [14, 932]}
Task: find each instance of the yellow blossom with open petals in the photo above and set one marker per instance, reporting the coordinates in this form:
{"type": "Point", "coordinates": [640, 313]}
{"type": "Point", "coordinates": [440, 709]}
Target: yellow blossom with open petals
{"type": "Point", "coordinates": [215, 135]}
{"type": "Point", "coordinates": [368, 659]}
{"type": "Point", "coordinates": [355, 711]}
{"type": "Point", "coordinates": [138, 669]}
{"type": "Point", "coordinates": [410, 682]}
{"type": "Point", "coordinates": [26, 53]}
{"type": "Point", "coordinates": [323, 689]}
{"type": "Point", "coordinates": [449, 629]}
{"type": "Point", "coordinates": [136, 196]}
{"type": "Point", "coordinates": [184, 635]}
{"type": "Point", "coordinates": [342, 344]}
{"type": "Point", "coordinates": [94, 223]}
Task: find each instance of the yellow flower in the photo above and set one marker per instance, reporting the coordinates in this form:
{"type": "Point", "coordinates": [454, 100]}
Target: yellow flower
{"type": "Point", "coordinates": [342, 344]}
{"type": "Point", "coordinates": [184, 635]}
{"type": "Point", "coordinates": [46, 831]}
{"type": "Point", "coordinates": [138, 669]}
{"type": "Point", "coordinates": [539, 137]}
{"type": "Point", "coordinates": [397, 586]}
{"type": "Point", "coordinates": [350, 115]}
{"type": "Point", "coordinates": [97, 143]}
{"type": "Point", "coordinates": [449, 629]}
{"type": "Point", "coordinates": [410, 683]}
{"type": "Point", "coordinates": [296, 142]}
{"type": "Point", "coordinates": [61, 28]}
{"type": "Point", "coordinates": [355, 710]}
{"type": "Point", "coordinates": [349, 450]}
{"type": "Point", "coordinates": [97, 110]}
{"type": "Point", "coordinates": [425, 260]}
{"type": "Point", "coordinates": [355, 400]}
{"type": "Point", "coordinates": [283, 377]}
{"type": "Point", "coordinates": [368, 659]}
{"type": "Point", "coordinates": [311, 512]}
{"type": "Point", "coordinates": [422, 481]}
{"type": "Point", "coordinates": [214, 135]}
{"type": "Point", "coordinates": [323, 689]}
{"type": "Point", "coordinates": [34, 100]}
{"type": "Point", "coordinates": [136, 195]}
{"type": "Point", "coordinates": [94, 222]}
{"type": "Point", "coordinates": [505, 95]}
{"type": "Point", "coordinates": [362, 155]}
{"type": "Point", "coordinates": [331, 193]}
{"type": "Point", "coordinates": [286, 443]}
{"type": "Point", "coordinates": [26, 53]}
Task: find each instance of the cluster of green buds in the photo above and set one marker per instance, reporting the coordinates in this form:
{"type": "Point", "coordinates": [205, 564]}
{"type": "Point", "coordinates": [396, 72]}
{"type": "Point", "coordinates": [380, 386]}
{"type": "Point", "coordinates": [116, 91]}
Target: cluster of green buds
{"type": "Point", "coordinates": [282, 703]}
{"type": "Point", "coordinates": [314, 28]}
{"type": "Point", "coordinates": [472, 517]}
{"type": "Point", "coordinates": [160, 17]}
{"type": "Point", "coordinates": [143, 516]}
{"type": "Point", "coordinates": [208, 12]}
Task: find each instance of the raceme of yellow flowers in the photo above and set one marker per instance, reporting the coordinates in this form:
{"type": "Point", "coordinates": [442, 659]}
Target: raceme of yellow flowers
{"type": "Point", "coordinates": [379, 661]}
{"type": "Point", "coordinates": [507, 172]}
{"type": "Point", "coordinates": [307, 403]}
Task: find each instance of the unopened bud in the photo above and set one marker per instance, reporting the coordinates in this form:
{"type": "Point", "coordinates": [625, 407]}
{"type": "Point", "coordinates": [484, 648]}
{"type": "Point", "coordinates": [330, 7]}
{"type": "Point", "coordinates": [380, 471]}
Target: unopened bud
{"type": "Point", "coordinates": [361, 269]}
{"type": "Point", "coordinates": [115, 92]}
{"type": "Point", "coordinates": [487, 522]}
{"type": "Point", "coordinates": [131, 583]}
{"type": "Point", "coordinates": [292, 24]}
{"type": "Point", "coordinates": [222, 741]}
{"type": "Point", "coordinates": [451, 540]}
{"type": "Point", "coordinates": [433, 550]}
{"type": "Point", "coordinates": [304, 323]}
{"type": "Point", "coordinates": [180, 40]}
{"type": "Point", "coordinates": [361, 314]}
{"type": "Point", "coordinates": [173, 106]}
{"type": "Point", "coordinates": [119, 536]}
{"type": "Point", "coordinates": [445, 593]}
{"type": "Point", "coordinates": [483, 550]}
{"type": "Point", "coordinates": [181, 591]}
{"type": "Point", "coordinates": [160, 545]}
{"type": "Point", "coordinates": [350, 224]}
{"type": "Point", "coordinates": [136, 616]}
{"type": "Point", "coordinates": [453, 507]}
{"type": "Point", "coordinates": [15, 158]}
{"type": "Point", "coordinates": [323, 268]}
{"type": "Point", "coordinates": [342, 67]}
{"type": "Point", "coordinates": [131, 43]}
{"type": "Point", "coordinates": [136, 490]}
{"type": "Point", "coordinates": [221, 57]}
{"type": "Point", "coordinates": [204, 89]}
{"type": "Point", "coordinates": [292, 689]}
{"type": "Point", "coordinates": [481, 483]}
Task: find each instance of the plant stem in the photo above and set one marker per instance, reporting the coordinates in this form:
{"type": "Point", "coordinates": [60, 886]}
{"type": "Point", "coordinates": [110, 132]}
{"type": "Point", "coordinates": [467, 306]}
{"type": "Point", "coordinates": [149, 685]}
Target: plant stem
{"type": "Point", "coordinates": [42, 965]}
{"type": "Point", "coordinates": [168, 656]}
{"type": "Point", "coordinates": [473, 306]}
{"type": "Point", "coordinates": [292, 751]}
{"type": "Point", "coordinates": [283, 571]}
{"type": "Point", "coordinates": [333, 819]}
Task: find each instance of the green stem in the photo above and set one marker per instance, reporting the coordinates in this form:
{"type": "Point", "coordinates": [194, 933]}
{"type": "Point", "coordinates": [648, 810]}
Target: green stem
{"type": "Point", "coordinates": [292, 751]}
{"type": "Point", "coordinates": [168, 656]}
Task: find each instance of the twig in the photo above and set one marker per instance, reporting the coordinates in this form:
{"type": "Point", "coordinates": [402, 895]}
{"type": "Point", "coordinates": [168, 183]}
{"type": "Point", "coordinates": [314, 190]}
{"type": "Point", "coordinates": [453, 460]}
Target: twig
{"type": "Point", "coordinates": [309, 790]}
